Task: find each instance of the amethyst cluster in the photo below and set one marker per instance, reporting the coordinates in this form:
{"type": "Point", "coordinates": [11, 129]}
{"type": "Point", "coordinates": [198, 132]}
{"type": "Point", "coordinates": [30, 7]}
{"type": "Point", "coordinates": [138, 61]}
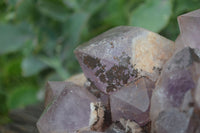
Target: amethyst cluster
{"type": "Point", "coordinates": [175, 100]}
{"type": "Point", "coordinates": [134, 81]}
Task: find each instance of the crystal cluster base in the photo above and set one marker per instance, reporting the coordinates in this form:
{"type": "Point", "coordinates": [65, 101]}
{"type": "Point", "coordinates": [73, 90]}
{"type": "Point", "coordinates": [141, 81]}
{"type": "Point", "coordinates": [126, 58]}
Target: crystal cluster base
{"type": "Point", "coordinates": [134, 81]}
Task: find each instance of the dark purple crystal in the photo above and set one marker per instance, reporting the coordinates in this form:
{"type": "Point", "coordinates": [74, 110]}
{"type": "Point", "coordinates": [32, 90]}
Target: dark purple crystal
{"type": "Point", "coordinates": [134, 76]}
{"type": "Point", "coordinates": [133, 101]}
{"type": "Point", "coordinates": [69, 112]}
{"type": "Point", "coordinates": [122, 55]}
{"type": "Point", "coordinates": [173, 93]}
{"type": "Point", "coordinates": [53, 90]}
{"type": "Point", "coordinates": [189, 25]}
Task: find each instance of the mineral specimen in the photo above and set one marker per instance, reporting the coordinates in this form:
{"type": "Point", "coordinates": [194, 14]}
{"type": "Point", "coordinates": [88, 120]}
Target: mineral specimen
{"type": "Point", "coordinates": [171, 103]}
{"type": "Point", "coordinates": [129, 72]}
{"type": "Point", "coordinates": [133, 101]}
{"type": "Point", "coordinates": [121, 55]}
{"type": "Point", "coordinates": [69, 112]}
{"type": "Point", "coordinates": [189, 25]}
{"type": "Point", "coordinates": [179, 45]}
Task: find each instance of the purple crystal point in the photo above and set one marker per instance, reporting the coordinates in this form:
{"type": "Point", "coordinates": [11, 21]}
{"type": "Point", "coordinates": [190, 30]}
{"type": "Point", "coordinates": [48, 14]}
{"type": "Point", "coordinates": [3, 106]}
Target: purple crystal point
{"type": "Point", "coordinates": [172, 121]}
{"type": "Point", "coordinates": [121, 55]}
{"type": "Point", "coordinates": [132, 101]}
{"type": "Point", "coordinates": [104, 98]}
{"type": "Point", "coordinates": [189, 25]}
{"type": "Point", "coordinates": [53, 90]}
{"type": "Point", "coordinates": [174, 90]}
{"type": "Point", "coordinates": [69, 112]}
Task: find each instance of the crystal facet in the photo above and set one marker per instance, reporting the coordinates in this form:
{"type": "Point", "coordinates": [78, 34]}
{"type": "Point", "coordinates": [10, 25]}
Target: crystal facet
{"type": "Point", "coordinates": [69, 112]}
{"type": "Point", "coordinates": [104, 98]}
{"type": "Point", "coordinates": [174, 90]}
{"type": "Point", "coordinates": [53, 90]}
{"type": "Point", "coordinates": [133, 101]}
{"type": "Point", "coordinates": [197, 94]}
{"type": "Point", "coordinates": [172, 121]}
{"type": "Point", "coordinates": [121, 55]}
{"type": "Point", "coordinates": [189, 25]}
{"type": "Point", "coordinates": [134, 81]}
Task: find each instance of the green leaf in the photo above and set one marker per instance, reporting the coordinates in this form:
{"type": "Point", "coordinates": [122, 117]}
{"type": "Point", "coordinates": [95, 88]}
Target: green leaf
{"type": "Point", "coordinates": [25, 9]}
{"type": "Point", "coordinates": [73, 30]}
{"type": "Point", "coordinates": [51, 46]}
{"type": "Point", "coordinates": [91, 6]}
{"type": "Point", "coordinates": [152, 15]}
{"type": "Point", "coordinates": [115, 13]}
{"type": "Point", "coordinates": [12, 2]}
{"type": "Point", "coordinates": [73, 4]}
{"type": "Point", "coordinates": [32, 65]}
{"type": "Point", "coordinates": [3, 107]}
{"type": "Point", "coordinates": [56, 64]}
{"type": "Point", "coordinates": [53, 9]}
{"type": "Point", "coordinates": [10, 71]}
{"type": "Point", "coordinates": [21, 96]}
{"type": "Point", "coordinates": [53, 77]}
{"type": "Point", "coordinates": [12, 38]}
{"type": "Point", "coordinates": [74, 27]}
{"type": "Point", "coordinates": [182, 6]}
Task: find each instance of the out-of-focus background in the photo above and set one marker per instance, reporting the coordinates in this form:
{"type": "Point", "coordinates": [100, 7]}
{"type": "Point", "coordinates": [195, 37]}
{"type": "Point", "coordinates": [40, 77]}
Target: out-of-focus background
{"type": "Point", "coordinates": [37, 38]}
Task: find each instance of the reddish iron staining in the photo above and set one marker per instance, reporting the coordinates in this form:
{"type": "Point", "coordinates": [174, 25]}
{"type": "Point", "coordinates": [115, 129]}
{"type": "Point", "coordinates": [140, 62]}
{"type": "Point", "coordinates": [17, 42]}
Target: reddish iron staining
{"type": "Point", "coordinates": [99, 71]}
{"type": "Point", "coordinates": [111, 88]}
{"type": "Point", "coordinates": [93, 89]}
{"type": "Point", "coordinates": [117, 73]}
{"type": "Point", "coordinates": [102, 78]}
{"type": "Point", "coordinates": [116, 76]}
{"type": "Point", "coordinates": [91, 62]}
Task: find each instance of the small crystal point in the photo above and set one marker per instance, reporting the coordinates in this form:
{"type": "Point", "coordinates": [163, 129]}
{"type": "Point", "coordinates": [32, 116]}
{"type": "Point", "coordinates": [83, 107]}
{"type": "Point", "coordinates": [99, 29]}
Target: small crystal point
{"type": "Point", "coordinates": [132, 101]}
{"type": "Point", "coordinates": [172, 121]}
{"type": "Point", "coordinates": [53, 90]}
{"type": "Point", "coordinates": [104, 98]}
{"type": "Point", "coordinates": [69, 112]}
{"type": "Point", "coordinates": [189, 25]}
{"type": "Point", "coordinates": [178, 80]}
{"type": "Point", "coordinates": [121, 55]}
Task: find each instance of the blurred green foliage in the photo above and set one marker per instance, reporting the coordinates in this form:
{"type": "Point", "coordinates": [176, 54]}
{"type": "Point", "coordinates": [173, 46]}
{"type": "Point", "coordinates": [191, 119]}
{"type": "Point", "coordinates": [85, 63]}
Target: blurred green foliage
{"type": "Point", "coordinates": [37, 37]}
